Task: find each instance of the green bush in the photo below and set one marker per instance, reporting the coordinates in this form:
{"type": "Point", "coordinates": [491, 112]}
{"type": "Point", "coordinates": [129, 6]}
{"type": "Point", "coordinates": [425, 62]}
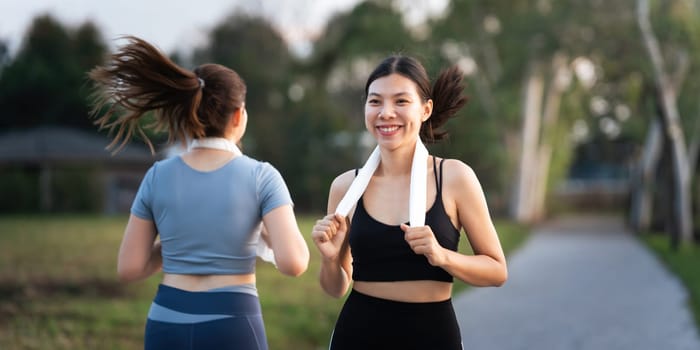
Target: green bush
{"type": "Point", "coordinates": [19, 191]}
{"type": "Point", "coordinates": [76, 189]}
{"type": "Point", "coordinates": [683, 263]}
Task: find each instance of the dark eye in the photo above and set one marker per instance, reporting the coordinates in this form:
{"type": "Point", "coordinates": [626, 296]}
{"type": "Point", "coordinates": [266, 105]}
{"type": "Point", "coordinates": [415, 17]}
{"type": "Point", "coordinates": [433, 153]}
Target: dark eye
{"type": "Point", "coordinates": [373, 101]}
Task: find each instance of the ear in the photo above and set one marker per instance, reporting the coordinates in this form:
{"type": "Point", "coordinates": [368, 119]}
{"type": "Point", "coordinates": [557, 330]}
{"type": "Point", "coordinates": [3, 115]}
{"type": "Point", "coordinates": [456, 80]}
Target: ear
{"type": "Point", "coordinates": [427, 110]}
{"type": "Point", "coordinates": [237, 116]}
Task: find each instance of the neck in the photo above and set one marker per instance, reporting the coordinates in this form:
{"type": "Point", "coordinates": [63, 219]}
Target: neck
{"type": "Point", "coordinates": [396, 162]}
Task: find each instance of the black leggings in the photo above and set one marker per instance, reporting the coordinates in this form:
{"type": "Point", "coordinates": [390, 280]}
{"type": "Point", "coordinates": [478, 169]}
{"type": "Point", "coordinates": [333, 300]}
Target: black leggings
{"type": "Point", "coordinates": [366, 322]}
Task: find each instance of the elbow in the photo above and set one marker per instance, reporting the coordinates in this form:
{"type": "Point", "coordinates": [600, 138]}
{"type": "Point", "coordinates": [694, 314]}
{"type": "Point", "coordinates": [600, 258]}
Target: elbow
{"type": "Point", "coordinates": [501, 278]}
{"type": "Point", "coordinates": [128, 274]}
{"type": "Point", "coordinates": [293, 264]}
{"type": "Point", "coordinates": [294, 268]}
{"type": "Point", "coordinates": [295, 271]}
{"type": "Point", "coordinates": [500, 281]}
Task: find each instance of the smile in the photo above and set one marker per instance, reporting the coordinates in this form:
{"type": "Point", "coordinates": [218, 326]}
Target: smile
{"type": "Point", "coordinates": [388, 129]}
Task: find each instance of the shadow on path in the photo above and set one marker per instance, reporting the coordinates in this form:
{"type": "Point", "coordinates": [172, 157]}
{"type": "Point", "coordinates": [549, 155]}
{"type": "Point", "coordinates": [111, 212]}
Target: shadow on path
{"type": "Point", "coordinates": [580, 283]}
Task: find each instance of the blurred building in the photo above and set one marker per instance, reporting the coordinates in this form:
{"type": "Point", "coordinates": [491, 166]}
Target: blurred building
{"type": "Point", "coordinates": [599, 176]}
{"type": "Point", "coordinates": [59, 169]}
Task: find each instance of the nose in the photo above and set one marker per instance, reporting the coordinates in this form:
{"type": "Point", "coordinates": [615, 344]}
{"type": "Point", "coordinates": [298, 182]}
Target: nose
{"type": "Point", "coordinates": [386, 112]}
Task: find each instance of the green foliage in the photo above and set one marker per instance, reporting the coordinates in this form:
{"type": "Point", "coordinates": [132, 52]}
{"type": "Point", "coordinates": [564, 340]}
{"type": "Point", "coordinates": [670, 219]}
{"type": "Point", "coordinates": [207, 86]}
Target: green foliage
{"type": "Point", "coordinates": [468, 133]}
{"type": "Point", "coordinates": [313, 136]}
{"type": "Point", "coordinates": [4, 54]}
{"type": "Point", "coordinates": [372, 28]}
{"type": "Point", "coordinates": [72, 189]}
{"type": "Point", "coordinates": [19, 191]}
{"type": "Point", "coordinates": [563, 148]}
{"type": "Point", "coordinates": [76, 190]}
{"type": "Point", "coordinates": [45, 82]}
{"type": "Point", "coordinates": [682, 263]}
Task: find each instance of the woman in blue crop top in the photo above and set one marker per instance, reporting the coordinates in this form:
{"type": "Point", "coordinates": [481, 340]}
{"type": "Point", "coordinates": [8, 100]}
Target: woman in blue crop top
{"type": "Point", "coordinates": [207, 206]}
{"type": "Point", "coordinates": [401, 276]}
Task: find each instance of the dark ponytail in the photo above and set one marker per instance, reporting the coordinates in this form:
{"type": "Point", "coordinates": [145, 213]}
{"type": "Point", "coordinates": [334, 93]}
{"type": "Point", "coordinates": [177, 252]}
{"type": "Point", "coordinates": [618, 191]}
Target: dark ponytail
{"type": "Point", "coordinates": [446, 93]}
{"type": "Point", "coordinates": [448, 98]}
{"type": "Point", "coordinates": [138, 79]}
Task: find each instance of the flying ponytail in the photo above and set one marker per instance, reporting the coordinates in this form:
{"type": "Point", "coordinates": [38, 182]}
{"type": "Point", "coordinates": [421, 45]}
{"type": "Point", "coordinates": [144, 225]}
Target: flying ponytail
{"type": "Point", "coordinates": [138, 79]}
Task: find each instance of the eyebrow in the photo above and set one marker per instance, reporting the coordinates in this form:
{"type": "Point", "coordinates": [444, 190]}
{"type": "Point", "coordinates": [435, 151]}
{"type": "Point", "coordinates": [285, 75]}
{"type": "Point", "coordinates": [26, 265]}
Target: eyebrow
{"type": "Point", "coordinates": [394, 95]}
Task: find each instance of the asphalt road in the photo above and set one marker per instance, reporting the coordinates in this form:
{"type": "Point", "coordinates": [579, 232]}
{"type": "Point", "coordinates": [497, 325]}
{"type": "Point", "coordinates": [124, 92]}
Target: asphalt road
{"type": "Point", "coordinates": [580, 283]}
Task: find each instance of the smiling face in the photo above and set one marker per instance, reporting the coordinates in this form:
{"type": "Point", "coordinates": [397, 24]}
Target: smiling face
{"type": "Point", "coordinates": [394, 111]}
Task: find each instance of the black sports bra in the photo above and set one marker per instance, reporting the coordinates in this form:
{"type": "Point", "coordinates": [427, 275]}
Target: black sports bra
{"type": "Point", "coordinates": [380, 253]}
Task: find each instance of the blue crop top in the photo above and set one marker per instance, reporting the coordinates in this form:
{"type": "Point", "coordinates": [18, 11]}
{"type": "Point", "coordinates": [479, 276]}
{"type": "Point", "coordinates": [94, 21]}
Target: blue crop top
{"type": "Point", "coordinates": [381, 254]}
{"type": "Point", "coordinates": [209, 222]}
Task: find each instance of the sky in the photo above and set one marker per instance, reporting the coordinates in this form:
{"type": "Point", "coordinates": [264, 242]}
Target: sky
{"type": "Point", "coordinates": [169, 24]}
{"type": "Point", "coordinates": [183, 24]}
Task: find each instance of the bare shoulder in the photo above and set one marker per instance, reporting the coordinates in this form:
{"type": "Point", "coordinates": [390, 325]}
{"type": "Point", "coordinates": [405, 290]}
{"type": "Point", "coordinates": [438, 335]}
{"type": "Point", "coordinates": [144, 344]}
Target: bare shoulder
{"type": "Point", "coordinates": [456, 173]}
{"type": "Point", "coordinates": [342, 182]}
{"type": "Point", "coordinates": [339, 186]}
{"type": "Point", "coordinates": [464, 197]}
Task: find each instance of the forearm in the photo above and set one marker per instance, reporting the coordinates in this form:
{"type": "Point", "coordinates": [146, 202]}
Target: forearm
{"type": "Point", "coordinates": [129, 272]}
{"type": "Point", "coordinates": [155, 262]}
{"type": "Point", "coordinates": [476, 270]}
{"type": "Point", "coordinates": [281, 232]}
{"type": "Point", "coordinates": [334, 280]}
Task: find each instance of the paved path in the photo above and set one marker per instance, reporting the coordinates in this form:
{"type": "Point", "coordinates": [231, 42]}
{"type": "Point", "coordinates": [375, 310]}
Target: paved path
{"type": "Point", "coordinates": [580, 283]}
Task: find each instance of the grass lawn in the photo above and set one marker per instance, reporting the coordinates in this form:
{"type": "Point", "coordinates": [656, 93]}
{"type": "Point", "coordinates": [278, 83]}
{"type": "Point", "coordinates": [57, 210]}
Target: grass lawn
{"type": "Point", "coordinates": [58, 288]}
{"type": "Point", "coordinates": [683, 263]}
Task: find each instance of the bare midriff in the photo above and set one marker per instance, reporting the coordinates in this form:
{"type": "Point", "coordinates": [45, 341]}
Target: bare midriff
{"type": "Point", "coordinates": [195, 283]}
{"type": "Point", "coordinates": [406, 291]}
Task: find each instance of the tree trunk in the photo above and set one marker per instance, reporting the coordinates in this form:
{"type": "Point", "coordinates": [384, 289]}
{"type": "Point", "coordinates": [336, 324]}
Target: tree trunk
{"type": "Point", "coordinates": [694, 146]}
{"type": "Point", "coordinates": [643, 179]}
{"type": "Point", "coordinates": [693, 154]}
{"type": "Point", "coordinates": [667, 94]}
{"type": "Point", "coordinates": [521, 207]}
{"type": "Point", "coordinates": [558, 84]}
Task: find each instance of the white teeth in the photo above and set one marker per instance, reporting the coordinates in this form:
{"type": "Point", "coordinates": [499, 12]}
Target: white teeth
{"type": "Point", "coordinates": [388, 128]}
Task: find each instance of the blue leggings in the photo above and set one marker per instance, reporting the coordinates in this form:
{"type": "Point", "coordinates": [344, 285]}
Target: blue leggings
{"type": "Point", "coordinates": [186, 320]}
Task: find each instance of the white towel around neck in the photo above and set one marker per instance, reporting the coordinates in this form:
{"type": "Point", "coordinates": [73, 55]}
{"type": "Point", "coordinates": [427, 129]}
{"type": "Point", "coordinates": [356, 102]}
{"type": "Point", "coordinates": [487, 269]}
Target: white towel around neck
{"type": "Point", "coordinates": [263, 250]}
{"type": "Point", "coordinates": [219, 143]}
{"type": "Point", "coordinates": [417, 194]}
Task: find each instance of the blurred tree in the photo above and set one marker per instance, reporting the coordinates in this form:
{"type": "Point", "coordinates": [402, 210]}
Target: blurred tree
{"type": "Point", "coordinates": [682, 48]}
{"type": "Point", "coordinates": [45, 82]}
{"type": "Point", "coordinates": [253, 48]}
{"type": "Point", "coordinates": [290, 118]}
{"type": "Point", "coordinates": [518, 58]}
{"type": "Point", "coordinates": [4, 54]}
{"type": "Point", "coordinates": [330, 114]}
{"type": "Point", "coordinates": [88, 47]}
{"type": "Point", "coordinates": [549, 78]}
{"type": "Point", "coordinates": [352, 44]}
{"type": "Point", "coordinates": [372, 28]}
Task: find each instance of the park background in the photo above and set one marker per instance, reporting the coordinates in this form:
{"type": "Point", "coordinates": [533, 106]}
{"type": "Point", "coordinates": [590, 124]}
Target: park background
{"type": "Point", "coordinates": [575, 107]}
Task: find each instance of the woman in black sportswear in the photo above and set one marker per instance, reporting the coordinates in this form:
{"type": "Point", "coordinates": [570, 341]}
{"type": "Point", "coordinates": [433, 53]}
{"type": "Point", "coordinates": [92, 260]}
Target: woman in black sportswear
{"type": "Point", "coordinates": [402, 275]}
